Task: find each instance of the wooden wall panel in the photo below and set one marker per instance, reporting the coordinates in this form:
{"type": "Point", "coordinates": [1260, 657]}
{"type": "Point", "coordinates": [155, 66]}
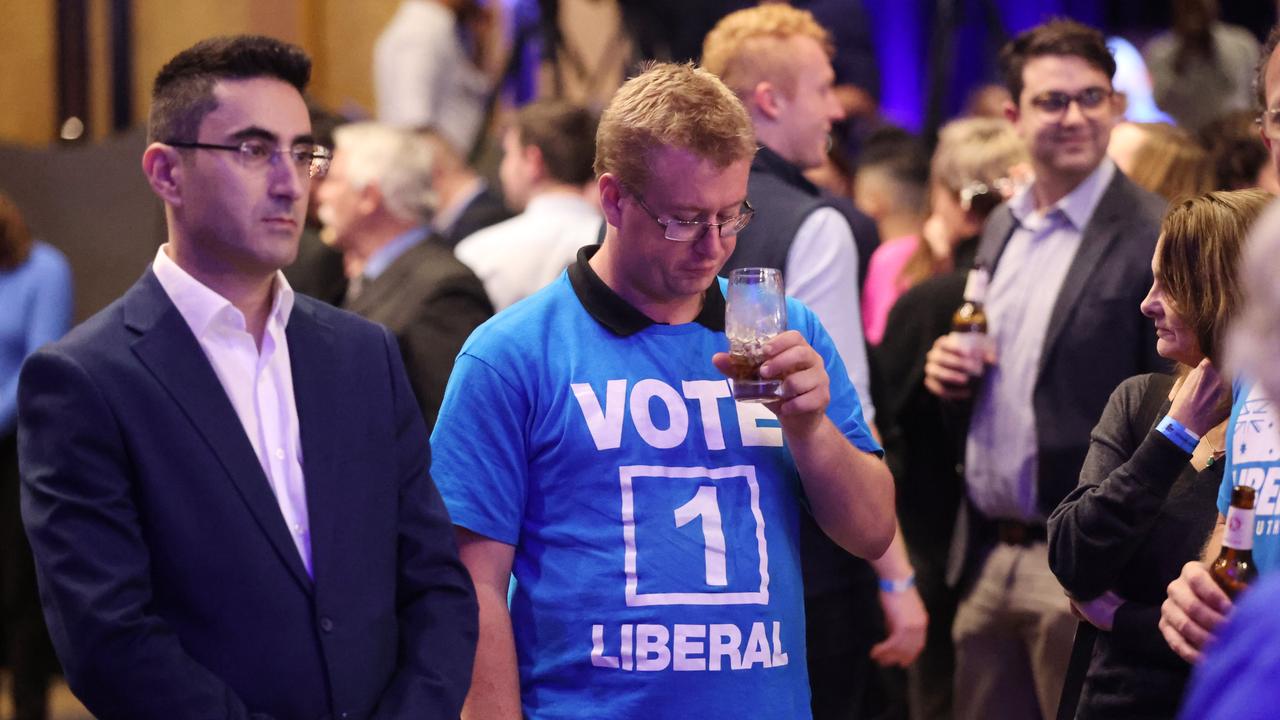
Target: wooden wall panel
{"type": "Point", "coordinates": [344, 35]}
{"type": "Point", "coordinates": [162, 28]}
{"type": "Point", "coordinates": [28, 71]}
{"type": "Point", "coordinates": [339, 34]}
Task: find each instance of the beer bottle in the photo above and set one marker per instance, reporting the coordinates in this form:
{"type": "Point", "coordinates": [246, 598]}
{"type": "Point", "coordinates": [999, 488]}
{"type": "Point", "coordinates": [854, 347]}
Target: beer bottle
{"type": "Point", "coordinates": [969, 323]}
{"type": "Point", "coordinates": [1234, 568]}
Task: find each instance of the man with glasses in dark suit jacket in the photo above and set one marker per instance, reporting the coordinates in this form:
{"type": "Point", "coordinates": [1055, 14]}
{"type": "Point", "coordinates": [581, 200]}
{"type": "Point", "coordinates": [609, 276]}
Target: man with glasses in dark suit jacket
{"type": "Point", "coordinates": [226, 484]}
{"type": "Point", "coordinates": [1071, 260]}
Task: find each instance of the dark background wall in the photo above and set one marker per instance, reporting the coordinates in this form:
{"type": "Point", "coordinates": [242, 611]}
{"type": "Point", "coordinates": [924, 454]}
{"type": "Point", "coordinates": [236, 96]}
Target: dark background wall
{"type": "Point", "coordinates": [92, 203]}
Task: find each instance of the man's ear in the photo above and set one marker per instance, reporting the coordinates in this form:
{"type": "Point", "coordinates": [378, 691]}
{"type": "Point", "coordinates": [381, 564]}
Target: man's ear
{"type": "Point", "coordinates": [1011, 112]}
{"type": "Point", "coordinates": [370, 198]}
{"type": "Point", "coordinates": [610, 199]}
{"type": "Point", "coordinates": [1121, 103]}
{"type": "Point", "coordinates": [534, 161]}
{"type": "Point", "coordinates": [767, 99]}
{"type": "Point", "coordinates": [163, 168]}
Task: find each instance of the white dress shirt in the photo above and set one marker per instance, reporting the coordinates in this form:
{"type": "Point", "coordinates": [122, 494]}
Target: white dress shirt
{"type": "Point", "coordinates": [518, 257]}
{"type": "Point", "coordinates": [258, 384]}
{"type": "Point", "coordinates": [423, 75]}
{"type": "Point", "coordinates": [822, 273]}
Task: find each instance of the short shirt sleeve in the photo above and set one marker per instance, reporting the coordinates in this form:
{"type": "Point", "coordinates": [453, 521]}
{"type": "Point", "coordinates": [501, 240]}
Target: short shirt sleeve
{"type": "Point", "coordinates": [479, 454]}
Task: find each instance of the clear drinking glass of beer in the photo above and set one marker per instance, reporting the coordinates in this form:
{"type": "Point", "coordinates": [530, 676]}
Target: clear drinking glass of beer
{"type": "Point", "coordinates": [755, 311]}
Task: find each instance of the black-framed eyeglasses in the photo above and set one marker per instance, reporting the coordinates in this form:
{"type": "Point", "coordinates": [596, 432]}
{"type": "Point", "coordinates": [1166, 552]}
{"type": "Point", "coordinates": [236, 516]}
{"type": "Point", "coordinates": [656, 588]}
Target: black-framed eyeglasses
{"type": "Point", "coordinates": [692, 230]}
{"type": "Point", "coordinates": [1269, 121]}
{"type": "Point", "coordinates": [1055, 103]}
{"type": "Point", "coordinates": [313, 158]}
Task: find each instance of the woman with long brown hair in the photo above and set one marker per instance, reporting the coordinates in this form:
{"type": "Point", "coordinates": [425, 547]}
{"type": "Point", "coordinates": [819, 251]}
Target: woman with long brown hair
{"type": "Point", "coordinates": [1146, 501]}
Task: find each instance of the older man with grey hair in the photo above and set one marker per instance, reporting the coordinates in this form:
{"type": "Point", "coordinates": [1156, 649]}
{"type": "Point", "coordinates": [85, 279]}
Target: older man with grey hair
{"type": "Point", "coordinates": [376, 205]}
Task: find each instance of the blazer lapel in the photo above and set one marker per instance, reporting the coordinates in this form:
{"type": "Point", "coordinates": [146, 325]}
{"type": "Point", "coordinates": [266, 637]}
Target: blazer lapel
{"type": "Point", "coordinates": [167, 347]}
{"type": "Point", "coordinates": [995, 236]}
{"type": "Point", "coordinates": [316, 389]}
{"type": "Point", "coordinates": [1101, 231]}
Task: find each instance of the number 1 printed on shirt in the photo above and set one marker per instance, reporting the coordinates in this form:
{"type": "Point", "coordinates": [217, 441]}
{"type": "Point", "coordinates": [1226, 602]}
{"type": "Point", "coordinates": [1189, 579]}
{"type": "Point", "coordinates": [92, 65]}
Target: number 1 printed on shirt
{"type": "Point", "coordinates": [706, 505]}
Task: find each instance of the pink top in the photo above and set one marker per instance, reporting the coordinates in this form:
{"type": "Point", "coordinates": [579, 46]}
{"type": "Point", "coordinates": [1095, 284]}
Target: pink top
{"type": "Point", "coordinates": [881, 289]}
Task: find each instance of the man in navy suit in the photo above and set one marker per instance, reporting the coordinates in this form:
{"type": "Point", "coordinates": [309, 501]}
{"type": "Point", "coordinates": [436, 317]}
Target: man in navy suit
{"type": "Point", "coordinates": [225, 484]}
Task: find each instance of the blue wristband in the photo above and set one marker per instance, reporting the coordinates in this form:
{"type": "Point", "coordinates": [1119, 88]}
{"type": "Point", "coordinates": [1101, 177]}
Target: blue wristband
{"type": "Point", "coordinates": [1178, 434]}
{"type": "Point", "coordinates": [897, 586]}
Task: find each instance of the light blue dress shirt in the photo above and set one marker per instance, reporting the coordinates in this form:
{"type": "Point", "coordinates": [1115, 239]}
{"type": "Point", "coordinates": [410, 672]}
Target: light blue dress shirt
{"type": "Point", "coordinates": [382, 258]}
{"type": "Point", "coordinates": [1001, 452]}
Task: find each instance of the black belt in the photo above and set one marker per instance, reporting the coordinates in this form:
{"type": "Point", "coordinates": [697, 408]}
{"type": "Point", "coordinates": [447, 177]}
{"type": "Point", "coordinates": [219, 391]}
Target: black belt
{"type": "Point", "coordinates": [1011, 532]}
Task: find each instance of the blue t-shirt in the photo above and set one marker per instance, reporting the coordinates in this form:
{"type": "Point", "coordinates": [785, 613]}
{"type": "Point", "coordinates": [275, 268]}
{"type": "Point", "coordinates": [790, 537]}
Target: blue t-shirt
{"type": "Point", "coordinates": [35, 308]}
{"type": "Point", "coordinates": [654, 520]}
{"type": "Point", "coordinates": [1253, 459]}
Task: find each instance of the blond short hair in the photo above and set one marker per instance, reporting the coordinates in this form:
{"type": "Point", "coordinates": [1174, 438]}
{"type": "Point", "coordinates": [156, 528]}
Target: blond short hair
{"type": "Point", "coordinates": [749, 46]}
{"type": "Point", "coordinates": [671, 105]}
{"type": "Point", "coordinates": [976, 150]}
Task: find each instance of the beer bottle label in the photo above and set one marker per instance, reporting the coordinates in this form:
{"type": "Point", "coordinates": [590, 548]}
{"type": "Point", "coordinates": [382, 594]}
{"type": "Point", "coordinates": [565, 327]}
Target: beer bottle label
{"type": "Point", "coordinates": [973, 344]}
{"type": "Point", "coordinates": [975, 286]}
{"type": "Point", "coordinates": [1239, 533]}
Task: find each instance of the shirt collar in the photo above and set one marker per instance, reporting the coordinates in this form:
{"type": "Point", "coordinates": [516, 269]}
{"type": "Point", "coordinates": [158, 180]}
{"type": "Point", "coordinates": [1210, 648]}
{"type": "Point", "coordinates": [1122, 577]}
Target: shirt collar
{"type": "Point", "coordinates": [621, 317]}
{"type": "Point", "coordinates": [446, 218]}
{"type": "Point", "coordinates": [382, 258]}
{"type": "Point", "coordinates": [1077, 205]}
{"type": "Point", "coordinates": [201, 307]}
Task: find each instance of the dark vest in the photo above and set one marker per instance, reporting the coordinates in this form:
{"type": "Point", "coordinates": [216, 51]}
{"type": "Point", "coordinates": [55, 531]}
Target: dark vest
{"type": "Point", "coordinates": [784, 198]}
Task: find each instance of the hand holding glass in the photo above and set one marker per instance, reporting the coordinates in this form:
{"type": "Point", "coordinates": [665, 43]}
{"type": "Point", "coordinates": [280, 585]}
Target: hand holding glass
{"type": "Point", "coordinates": [755, 312]}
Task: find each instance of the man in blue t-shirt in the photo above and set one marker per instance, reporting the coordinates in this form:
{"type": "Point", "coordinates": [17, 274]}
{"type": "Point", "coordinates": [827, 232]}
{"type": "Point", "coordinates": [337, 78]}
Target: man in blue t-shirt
{"type": "Point", "coordinates": [589, 445]}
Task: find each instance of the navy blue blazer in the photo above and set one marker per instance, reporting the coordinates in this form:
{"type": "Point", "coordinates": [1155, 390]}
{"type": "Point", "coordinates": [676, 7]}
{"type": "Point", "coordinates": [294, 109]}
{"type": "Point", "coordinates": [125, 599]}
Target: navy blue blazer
{"type": "Point", "coordinates": [169, 581]}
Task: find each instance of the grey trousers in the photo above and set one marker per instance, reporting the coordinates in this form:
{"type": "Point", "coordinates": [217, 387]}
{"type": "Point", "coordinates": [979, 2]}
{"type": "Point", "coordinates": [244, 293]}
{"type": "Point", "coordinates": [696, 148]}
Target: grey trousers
{"type": "Point", "coordinates": [1013, 634]}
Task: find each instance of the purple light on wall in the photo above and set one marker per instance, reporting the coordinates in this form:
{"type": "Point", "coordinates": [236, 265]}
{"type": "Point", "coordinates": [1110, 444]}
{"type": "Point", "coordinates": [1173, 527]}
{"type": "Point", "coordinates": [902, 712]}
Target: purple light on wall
{"type": "Point", "coordinates": [900, 29]}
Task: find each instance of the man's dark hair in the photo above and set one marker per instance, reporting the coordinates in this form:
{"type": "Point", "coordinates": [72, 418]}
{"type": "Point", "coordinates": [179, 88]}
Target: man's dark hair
{"type": "Point", "coordinates": [183, 91]}
{"type": "Point", "coordinates": [564, 133]}
{"type": "Point", "coordinates": [898, 153]}
{"type": "Point", "coordinates": [1056, 37]}
{"type": "Point", "coordinates": [1260, 79]}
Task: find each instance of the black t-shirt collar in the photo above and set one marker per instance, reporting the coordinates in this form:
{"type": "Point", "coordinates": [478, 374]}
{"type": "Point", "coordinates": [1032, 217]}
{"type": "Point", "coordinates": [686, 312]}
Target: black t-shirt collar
{"type": "Point", "coordinates": [619, 316]}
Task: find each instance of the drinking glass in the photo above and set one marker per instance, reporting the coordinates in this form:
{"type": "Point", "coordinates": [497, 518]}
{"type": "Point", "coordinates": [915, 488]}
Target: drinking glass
{"type": "Point", "coordinates": [755, 312]}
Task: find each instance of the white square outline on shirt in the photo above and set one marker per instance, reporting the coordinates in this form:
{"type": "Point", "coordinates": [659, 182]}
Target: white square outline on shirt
{"type": "Point", "coordinates": [627, 475]}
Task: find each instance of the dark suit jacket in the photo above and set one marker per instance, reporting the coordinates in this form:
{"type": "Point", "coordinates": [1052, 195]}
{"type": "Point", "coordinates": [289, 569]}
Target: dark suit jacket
{"type": "Point", "coordinates": [485, 209]}
{"type": "Point", "coordinates": [170, 583]}
{"type": "Point", "coordinates": [318, 270]}
{"type": "Point", "coordinates": [431, 302]}
{"type": "Point", "coordinates": [921, 448]}
{"type": "Point", "coordinates": [1097, 336]}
